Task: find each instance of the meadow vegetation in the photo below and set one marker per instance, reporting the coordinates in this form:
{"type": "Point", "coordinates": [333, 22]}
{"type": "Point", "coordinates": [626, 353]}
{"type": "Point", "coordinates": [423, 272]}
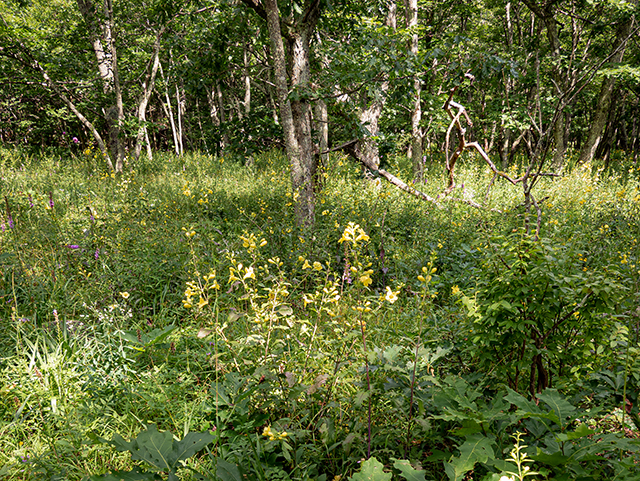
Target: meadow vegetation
{"type": "Point", "coordinates": [173, 322]}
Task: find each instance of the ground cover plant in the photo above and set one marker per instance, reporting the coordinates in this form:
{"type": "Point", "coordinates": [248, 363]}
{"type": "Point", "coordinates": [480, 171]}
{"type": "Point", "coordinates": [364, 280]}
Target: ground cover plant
{"type": "Point", "coordinates": [172, 322]}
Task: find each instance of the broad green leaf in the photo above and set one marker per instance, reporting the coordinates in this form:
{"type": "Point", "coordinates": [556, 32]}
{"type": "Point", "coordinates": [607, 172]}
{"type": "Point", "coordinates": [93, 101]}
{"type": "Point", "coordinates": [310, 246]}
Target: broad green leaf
{"type": "Point", "coordinates": [158, 335]}
{"type": "Point", "coordinates": [475, 449]}
{"type": "Point", "coordinates": [581, 431]}
{"type": "Point", "coordinates": [372, 470]}
{"type": "Point", "coordinates": [190, 445]}
{"type": "Point", "coordinates": [391, 353]}
{"type": "Point", "coordinates": [560, 406]}
{"type": "Point", "coordinates": [154, 447]}
{"type": "Point", "coordinates": [407, 471]}
{"type": "Point", "coordinates": [555, 459]}
{"type": "Point", "coordinates": [118, 442]}
{"type": "Point", "coordinates": [227, 471]}
{"type": "Point", "coordinates": [522, 403]}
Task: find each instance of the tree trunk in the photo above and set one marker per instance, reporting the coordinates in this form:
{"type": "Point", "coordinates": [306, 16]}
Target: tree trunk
{"type": "Point", "coordinates": [599, 121]}
{"type": "Point", "coordinates": [295, 115]}
{"type": "Point", "coordinates": [322, 130]}
{"type": "Point", "coordinates": [545, 12]}
{"type": "Point", "coordinates": [223, 118]}
{"type": "Point", "coordinates": [101, 37]}
{"type": "Point", "coordinates": [247, 80]}
{"type": "Point", "coordinates": [411, 13]}
{"type": "Point", "coordinates": [168, 111]}
{"type": "Point", "coordinates": [305, 172]}
{"type": "Point", "coordinates": [147, 89]}
{"type": "Point", "coordinates": [179, 112]}
{"type": "Point", "coordinates": [366, 150]}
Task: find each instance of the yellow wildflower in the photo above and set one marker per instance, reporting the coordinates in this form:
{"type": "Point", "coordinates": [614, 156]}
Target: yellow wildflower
{"type": "Point", "coordinates": [390, 295]}
{"type": "Point", "coordinates": [249, 274]}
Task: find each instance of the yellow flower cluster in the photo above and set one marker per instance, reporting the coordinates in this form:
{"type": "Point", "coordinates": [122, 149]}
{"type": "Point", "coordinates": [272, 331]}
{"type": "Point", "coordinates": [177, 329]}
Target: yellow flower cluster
{"type": "Point", "coordinates": [305, 264]}
{"type": "Point", "coordinates": [427, 271]}
{"type": "Point", "coordinates": [251, 242]}
{"type": "Point", "coordinates": [200, 290]}
{"type": "Point", "coordinates": [242, 271]}
{"type": "Point", "coordinates": [274, 435]}
{"type": "Point", "coordinates": [366, 307]}
{"type": "Point", "coordinates": [353, 234]}
{"type": "Point", "coordinates": [330, 294]}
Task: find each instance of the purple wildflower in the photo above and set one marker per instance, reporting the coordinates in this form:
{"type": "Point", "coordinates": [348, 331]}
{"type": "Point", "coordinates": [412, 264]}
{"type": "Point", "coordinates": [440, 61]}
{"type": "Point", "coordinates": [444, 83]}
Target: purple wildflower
{"type": "Point", "coordinates": [97, 254]}
{"type": "Point", "coordinates": [30, 200]}
{"type": "Point", "coordinates": [51, 199]}
{"type": "Point", "coordinates": [2, 226]}
{"type": "Point", "coordinates": [75, 140]}
{"type": "Point", "coordinates": [73, 246]}
{"type": "Point", "coordinates": [9, 218]}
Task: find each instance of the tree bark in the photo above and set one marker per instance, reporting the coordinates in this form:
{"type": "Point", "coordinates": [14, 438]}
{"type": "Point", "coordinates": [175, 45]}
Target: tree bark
{"type": "Point", "coordinates": [411, 13]}
{"type": "Point", "coordinates": [168, 111]}
{"type": "Point", "coordinates": [366, 149]}
{"type": "Point", "coordinates": [247, 79]}
{"type": "Point", "coordinates": [101, 38]}
{"type": "Point", "coordinates": [322, 130]}
{"type": "Point", "coordinates": [147, 90]}
{"type": "Point", "coordinates": [545, 12]}
{"type": "Point", "coordinates": [179, 112]}
{"type": "Point", "coordinates": [601, 114]}
{"type": "Point", "coordinates": [295, 114]}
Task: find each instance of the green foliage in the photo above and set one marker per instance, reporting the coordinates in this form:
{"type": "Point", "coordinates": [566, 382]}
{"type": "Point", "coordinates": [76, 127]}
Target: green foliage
{"type": "Point", "coordinates": [371, 471]}
{"type": "Point", "coordinates": [535, 304]}
{"type": "Point", "coordinates": [206, 310]}
{"type": "Point", "coordinates": [159, 450]}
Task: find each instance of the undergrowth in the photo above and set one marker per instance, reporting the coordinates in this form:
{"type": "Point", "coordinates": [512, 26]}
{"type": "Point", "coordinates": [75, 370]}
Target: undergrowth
{"type": "Point", "coordinates": [173, 322]}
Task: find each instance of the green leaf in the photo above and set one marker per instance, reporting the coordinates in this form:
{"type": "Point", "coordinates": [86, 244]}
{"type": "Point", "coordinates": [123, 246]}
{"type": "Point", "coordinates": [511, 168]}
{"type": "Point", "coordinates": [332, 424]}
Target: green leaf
{"type": "Point", "coordinates": [227, 471]}
{"type": "Point", "coordinates": [285, 311]}
{"type": "Point", "coordinates": [475, 449]}
{"type": "Point", "coordinates": [407, 471]}
{"type": "Point", "coordinates": [555, 459]}
{"type": "Point", "coordinates": [371, 471]}
{"type": "Point", "coordinates": [154, 447]}
{"type": "Point", "coordinates": [581, 431]}
{"type": "Point", "coordinates": [160, 449]}
{"type": "Point", "coordinates": [191, 444]}
{"type": "Point", "coordinates": [158, 335]}
{"type": "Point", "coordinates": [558, 404]}
{"type": "Point", "coordinates": [522, 403]}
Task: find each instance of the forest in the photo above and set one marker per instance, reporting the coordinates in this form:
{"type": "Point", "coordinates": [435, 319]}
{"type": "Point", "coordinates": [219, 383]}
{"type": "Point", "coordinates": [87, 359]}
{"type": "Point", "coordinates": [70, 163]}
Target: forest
{"type": "Point", "coordinates": [320, 240]}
